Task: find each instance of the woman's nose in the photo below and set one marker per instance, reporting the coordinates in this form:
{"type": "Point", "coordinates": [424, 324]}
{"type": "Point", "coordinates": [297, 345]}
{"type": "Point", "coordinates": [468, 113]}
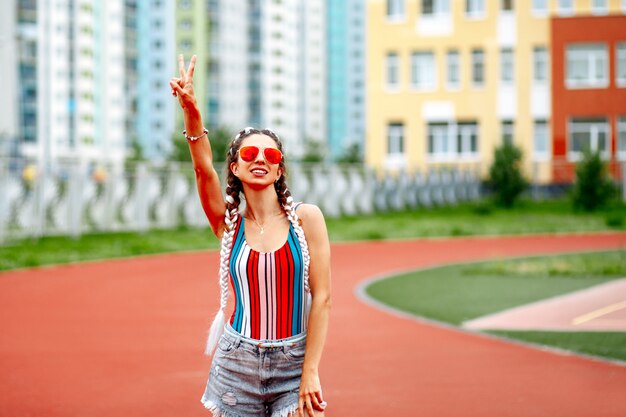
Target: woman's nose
{"type": "Point", "coordinates": [260, 158]}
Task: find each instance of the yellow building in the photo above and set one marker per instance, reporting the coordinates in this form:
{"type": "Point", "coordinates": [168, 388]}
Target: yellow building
{"type": "Point", "coordinates": [449, 80]}
{"type": "Point", "coordinates": [192, 37]}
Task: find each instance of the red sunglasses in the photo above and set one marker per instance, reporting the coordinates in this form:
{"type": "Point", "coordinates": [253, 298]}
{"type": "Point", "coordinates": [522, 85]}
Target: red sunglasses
{"type": "Point", "coordinates": [249, 154]}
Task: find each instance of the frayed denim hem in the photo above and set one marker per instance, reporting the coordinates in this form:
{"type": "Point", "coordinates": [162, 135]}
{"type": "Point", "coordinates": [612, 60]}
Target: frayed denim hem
{"type": "Point", "coordinates": [216, 410]}
{"type": "Point", "coordinates": [286, 412]}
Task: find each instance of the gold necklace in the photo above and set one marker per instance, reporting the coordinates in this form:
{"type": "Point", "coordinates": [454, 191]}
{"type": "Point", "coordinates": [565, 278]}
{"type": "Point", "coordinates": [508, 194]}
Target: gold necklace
{"type": "Point", "coordinates": [262, 227]}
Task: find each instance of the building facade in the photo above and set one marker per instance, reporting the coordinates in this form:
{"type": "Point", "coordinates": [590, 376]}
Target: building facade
{"type": "Point", "coordinates": [346, 75]}
{"type": "Point", "coordinates": [156, 63]}
{"type": "Point", "coordinates": [589, 90]}
{"type": "Point", "coordinates": [267, 68]}
{"type": "Point", "coordinates": [449, 81]}
{"type": "Point", "coordinates": [9, 112]}
{"type": "Point", "coordinates": [70, 77]}
{"type": "Point", "coordinates": [191, 33]}
{"type": "Point", "coordinates": [229, 61]}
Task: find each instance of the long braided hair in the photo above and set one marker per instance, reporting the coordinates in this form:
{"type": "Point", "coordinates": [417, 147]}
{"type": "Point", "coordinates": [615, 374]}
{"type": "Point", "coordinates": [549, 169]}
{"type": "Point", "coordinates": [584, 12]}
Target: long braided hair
{"type": "Point", "coordinates": [234, 188]}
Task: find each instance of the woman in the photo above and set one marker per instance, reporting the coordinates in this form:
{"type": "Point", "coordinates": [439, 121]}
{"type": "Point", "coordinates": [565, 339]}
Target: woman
{"type": "Point", "coordinates": [267, 356]}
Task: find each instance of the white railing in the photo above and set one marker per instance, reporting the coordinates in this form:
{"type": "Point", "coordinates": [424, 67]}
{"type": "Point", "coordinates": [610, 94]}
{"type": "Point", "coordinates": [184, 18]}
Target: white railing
{"type": "Point", "coordinates": [72, 199]}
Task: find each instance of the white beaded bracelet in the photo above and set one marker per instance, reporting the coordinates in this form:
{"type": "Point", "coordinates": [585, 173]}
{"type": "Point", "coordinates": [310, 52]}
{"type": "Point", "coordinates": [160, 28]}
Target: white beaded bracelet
{"type": "Point", "coordinates": [195, 138]}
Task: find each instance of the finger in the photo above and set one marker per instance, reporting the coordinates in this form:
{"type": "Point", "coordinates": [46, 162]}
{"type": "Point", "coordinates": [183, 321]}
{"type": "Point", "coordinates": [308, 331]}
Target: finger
{"type": "Point", "coordinates": [181, 66]}
{"type": "Point", "coordinates": [309, 407]}
{"type": "Point", "coordinates": [318, 396]}
{"type": "Point", "coordinates": [192, 67]}
{"type": "Point", "coordinates": [316, 403]}
{"type": "Point", "coordinates": [175, 87]}
{"type": "Point", "coordinates": [320, 400]}
{"type": "Point", "coordinates": [300, 407]}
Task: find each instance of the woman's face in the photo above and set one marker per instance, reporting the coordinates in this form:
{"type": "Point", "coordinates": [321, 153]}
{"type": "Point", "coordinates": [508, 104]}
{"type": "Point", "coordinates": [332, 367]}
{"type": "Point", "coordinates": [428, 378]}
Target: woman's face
{"type": "Point", "coordinates": [257, 173]}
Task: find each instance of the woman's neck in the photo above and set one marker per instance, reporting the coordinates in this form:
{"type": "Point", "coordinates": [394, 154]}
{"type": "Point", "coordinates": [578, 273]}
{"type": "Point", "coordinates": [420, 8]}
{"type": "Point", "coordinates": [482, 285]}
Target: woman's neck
{"type": "Point", "coordinates": [261, 204]}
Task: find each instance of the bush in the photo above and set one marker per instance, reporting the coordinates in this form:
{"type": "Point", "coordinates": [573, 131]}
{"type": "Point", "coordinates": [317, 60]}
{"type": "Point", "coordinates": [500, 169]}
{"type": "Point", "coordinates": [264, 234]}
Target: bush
{"type": "Point", "coordinates": [593, 187]}
{"type": "Point", "coordinates": [505, 175]}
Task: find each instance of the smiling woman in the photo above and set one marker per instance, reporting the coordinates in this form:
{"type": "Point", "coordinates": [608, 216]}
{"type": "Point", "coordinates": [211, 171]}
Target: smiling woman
{"type": "Point", "coordinates": [278, 265]}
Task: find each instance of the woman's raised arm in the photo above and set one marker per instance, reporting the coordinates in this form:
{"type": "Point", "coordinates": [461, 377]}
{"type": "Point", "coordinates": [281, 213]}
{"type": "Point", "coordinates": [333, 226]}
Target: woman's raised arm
{"type": "Point", "coordinates": [207, 180]}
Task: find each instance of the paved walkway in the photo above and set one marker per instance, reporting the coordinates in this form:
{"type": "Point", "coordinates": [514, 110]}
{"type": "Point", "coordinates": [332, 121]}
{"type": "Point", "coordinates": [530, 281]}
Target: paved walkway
{"type": "Point", "coordinates": [125, 338]}
{"type": "Point", "coordinates": [599, 308]}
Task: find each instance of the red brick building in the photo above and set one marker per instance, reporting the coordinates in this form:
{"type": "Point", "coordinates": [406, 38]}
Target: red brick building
{"type": "Point", "coordinates": [588, 91]}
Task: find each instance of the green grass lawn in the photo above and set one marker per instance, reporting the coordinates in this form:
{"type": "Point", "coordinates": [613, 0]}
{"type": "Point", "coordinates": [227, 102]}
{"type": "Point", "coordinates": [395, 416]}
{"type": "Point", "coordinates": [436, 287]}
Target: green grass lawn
{"type": "Point", "coordinates": [465, 219]}
{"type": "Point", "coordinates": [477, 219]}
{"type": "Point", "coordinates": [456, 293]}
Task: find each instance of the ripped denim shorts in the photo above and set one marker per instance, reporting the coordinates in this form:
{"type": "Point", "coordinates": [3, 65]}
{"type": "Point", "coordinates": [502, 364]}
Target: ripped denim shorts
{"type": "Point", "coordinates": [252, 378]}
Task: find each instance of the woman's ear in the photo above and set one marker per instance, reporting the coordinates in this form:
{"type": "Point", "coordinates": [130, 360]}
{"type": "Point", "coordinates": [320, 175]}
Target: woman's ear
{"type": "Point", "coordinates": [234, 168]}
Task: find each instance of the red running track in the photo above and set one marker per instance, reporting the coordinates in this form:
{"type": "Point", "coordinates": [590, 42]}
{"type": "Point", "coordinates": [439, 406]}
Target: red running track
{"type": "Point", "coordinates": [125, 338]}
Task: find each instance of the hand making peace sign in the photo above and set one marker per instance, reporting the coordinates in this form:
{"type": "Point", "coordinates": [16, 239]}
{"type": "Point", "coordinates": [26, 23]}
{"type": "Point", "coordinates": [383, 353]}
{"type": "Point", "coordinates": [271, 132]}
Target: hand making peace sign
{"type": "Point", "coordinates": [183, 87]}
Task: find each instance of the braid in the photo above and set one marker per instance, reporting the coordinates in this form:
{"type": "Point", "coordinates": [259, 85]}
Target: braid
{"type": "Point", "coordinates": [286, 201]}
{"type": "Point", "coordinates": [230, 219]}
{"type": "Point", "coordinates": [231, 216]}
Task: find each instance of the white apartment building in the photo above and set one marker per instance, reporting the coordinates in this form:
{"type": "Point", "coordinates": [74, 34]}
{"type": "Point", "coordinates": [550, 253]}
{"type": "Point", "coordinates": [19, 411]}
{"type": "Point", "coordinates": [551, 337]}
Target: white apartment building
{"type": "Point", "coordinates": [228, 88]}
{"type": "Point", "coordinates": [80, 82]}
{"type": "Point", "coordinates": [313, 50]}
{"type": "Point", "coordinates": [8, 75]}
{"type": "Point", "coordinates": [268, 67]}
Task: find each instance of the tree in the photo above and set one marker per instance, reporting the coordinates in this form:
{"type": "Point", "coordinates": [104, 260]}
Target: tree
{"type": "Point", "coordinates": [180, 150]}
{"type": "Point", "coordinates": [505, 175]}
{"type": "Point", "coordinates": [136, 151]}
{"type": "Point", "coordinates": [593, 187]}
{"type": "Point", "coordinates": [351, 155]}
{"type": "Point", "coordinates": [314, 151]}
{"type": "Point", "coordinates": [220, 140]}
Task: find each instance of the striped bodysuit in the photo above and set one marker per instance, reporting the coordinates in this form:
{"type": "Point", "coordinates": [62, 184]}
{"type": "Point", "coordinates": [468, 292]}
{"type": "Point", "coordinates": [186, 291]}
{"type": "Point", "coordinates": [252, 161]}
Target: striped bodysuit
{"type": "Point", "coordinates": [269, 288]}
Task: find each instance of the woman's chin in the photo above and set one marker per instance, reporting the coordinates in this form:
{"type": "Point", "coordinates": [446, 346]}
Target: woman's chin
{"type": "Point", "coordinates": [257, 183]}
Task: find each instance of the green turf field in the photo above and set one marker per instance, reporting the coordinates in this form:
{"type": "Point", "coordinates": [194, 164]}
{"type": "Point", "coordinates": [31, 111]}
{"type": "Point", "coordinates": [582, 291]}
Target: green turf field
{"type": "Point", "coordinates": [465, 219]}
{"type": "Point", "coordinates": [456, 293]}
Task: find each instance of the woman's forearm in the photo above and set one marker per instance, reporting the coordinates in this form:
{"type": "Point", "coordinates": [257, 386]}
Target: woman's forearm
{"type": "Point", "coordinates": [201, 153]}
{"type": "Point", "coordinates": [316, 332]}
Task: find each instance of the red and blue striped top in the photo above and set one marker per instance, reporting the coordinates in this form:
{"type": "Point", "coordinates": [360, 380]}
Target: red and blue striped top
{"type": "Point", "coordinates": [269, 288]}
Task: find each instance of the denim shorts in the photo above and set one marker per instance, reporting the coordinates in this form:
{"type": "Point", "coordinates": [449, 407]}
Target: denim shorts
{"type": "Point", "coordinates": [252, 378]}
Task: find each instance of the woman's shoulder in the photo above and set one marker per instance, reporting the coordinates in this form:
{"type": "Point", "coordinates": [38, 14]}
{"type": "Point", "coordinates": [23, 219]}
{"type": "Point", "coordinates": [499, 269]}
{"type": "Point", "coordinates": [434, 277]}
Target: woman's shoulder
{"type": "Point", "coordinates": [308, 212]}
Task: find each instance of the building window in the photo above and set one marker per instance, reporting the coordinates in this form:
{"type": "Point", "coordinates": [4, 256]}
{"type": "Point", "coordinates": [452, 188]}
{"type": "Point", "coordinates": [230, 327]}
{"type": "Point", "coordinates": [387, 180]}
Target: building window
{"type": "Point", "coordinates": [620, 64]}
{"type": "Point", "coordinates": [440, 142]}
{"type": "Point", "coordinates": [588, 134]}
{"type": "Point", "coordinates": [540, 65]}
{"type": "Point", "coordinates": [393, 69]}
{"type": "Point", "coordinates": [507, 128]}
{"type": "Point", "coordinates": [541, 150]}
{"type": "Point", "coordinates": [586, 66]}
{"type": "Point", "coordinates": [185, 4]}
{"type": "Point", "coordinates": [435, 7]}
{"type": "Point", "coordinates": [453, 69]}
{"type": "Point", "coordinates": [451, 140]}
{"type": "Point", "coordinates": [506, 66]}
{"type": "Point", "coordinates": [467, 139]}
{"type": "Point", "coordinates": [478, 67]}
{"type": "Point", "coordinates": [423, 70]}
{"type": "Point", "coordinates": [395, 139]}
{"type": "Point", "coordinates": [540, 7]}
{"type": "Point", "coordinates": [506, 5]}
{"type": "Point", "coordinates": [599, 7]}
{"type": "Point", "coordinates": [621, 138]}
{"type": "Point", "coordinates": [185, 24]}
{"type": "Point", "coordinates": [565, 7]}
{"type": "Point", "coordinates": [475, 8]}
{"type": "Point", "coordinates": [395, 9]}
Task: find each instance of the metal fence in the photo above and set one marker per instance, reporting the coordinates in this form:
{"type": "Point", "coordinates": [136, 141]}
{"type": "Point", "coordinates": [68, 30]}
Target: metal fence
{"type": "Point", "coordinates": [73, 198]}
